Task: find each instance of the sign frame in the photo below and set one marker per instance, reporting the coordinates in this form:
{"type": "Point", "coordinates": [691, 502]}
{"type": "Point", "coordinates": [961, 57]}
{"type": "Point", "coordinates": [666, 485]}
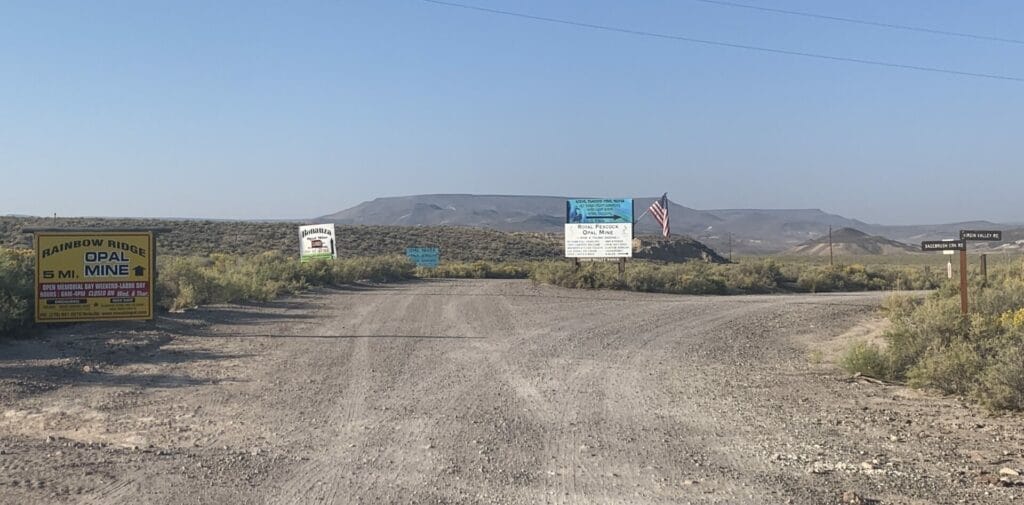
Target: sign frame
{"type": "Point", "coordinates": [981, 235]}
{"type": "Point", "coordinates": [574, 232]}
{"type": "Point", "coordinates": [148, 276]}
{"type": "Point", "coordinates": [317, 234]}
{"type": "Point", "coordinates": [599, 210]}
{"type": "Point", "coordinates": [943, 245]}
{"type": "Point", "coordinates": [424, 257]}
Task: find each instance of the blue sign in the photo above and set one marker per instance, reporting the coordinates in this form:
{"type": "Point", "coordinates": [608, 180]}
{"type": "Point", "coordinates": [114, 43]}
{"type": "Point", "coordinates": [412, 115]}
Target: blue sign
{"type": "Point", "coordinates": [426, 257]}
{"type": "Point", "coordinates": [587, 211]}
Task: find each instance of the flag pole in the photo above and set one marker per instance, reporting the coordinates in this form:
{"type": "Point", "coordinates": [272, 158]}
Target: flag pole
{"type": "Point", "coordinates": [637, 220]}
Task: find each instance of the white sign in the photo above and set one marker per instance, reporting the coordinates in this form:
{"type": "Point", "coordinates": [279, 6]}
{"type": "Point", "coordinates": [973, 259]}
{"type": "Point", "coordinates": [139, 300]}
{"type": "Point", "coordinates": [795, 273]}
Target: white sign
{"type": "Point", "coordinates": [316, 241]}
{"type": "Point", "coordinates": [599, 240]}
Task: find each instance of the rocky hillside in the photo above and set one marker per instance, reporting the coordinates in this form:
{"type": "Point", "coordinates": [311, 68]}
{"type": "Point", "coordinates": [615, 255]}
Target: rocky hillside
{"type": "Point", "coordinates": [744, 231]}
{"type": "Point", "coordinates": [501, 212]}
{"type": "Point", "coordinates": [675, 250]}
{"type": "Point", "coordinates": [852, 242]}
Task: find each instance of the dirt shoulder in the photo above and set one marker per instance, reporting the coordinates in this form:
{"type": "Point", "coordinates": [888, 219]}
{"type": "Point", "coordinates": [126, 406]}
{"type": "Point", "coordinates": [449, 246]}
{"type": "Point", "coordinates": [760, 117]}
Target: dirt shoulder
{"type": "Point", "coordinates": [484, 392]}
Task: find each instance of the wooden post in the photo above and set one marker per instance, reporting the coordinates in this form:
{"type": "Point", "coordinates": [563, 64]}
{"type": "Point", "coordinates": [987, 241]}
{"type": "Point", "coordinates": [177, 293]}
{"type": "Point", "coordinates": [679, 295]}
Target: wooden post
{"type": "Point", "coordinates": [830, 261]}
{"type": "Point", "coordinates": [984, 269]}
{"type": "Point", "coordinates": [963, 282]}
{"type": "Point", "coordinates": [622, 269]}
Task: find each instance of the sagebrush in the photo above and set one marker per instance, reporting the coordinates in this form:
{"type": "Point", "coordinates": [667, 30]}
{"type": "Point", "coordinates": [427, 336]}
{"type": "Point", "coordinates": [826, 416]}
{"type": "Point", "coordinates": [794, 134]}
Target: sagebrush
{"type": "Point", "coordinates": [930, 345]}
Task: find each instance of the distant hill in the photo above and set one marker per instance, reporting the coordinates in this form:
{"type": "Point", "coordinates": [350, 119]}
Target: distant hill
{"type": "Point", "coordinates": [769, 230]}
{"type": "Point", "coordinates": [743, 231]}
{"type": "Point", "coordinates": [675, 250]}
{"type": "Point", "coordinates": [736, 231]}
{"type": "Point", "coordinates": [500, 212]}
{"type": "Point", "coordinates": [460, 243]}
{"type": "Point", "coordinates": [852, 242]}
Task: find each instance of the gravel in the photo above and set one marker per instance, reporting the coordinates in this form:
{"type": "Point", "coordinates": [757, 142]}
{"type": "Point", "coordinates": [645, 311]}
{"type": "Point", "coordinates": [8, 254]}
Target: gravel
{"type": "Point", "coordinates": [484, 391]}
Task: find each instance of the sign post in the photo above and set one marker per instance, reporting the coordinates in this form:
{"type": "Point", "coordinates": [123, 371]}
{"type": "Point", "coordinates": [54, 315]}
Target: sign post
{"type": "Point", "coordinates": [963, 281]}
{"type": "Point", "coordinates": [961, 246]}
{"type": "Point", "coordinates": [953, 245]}
{"type": "Point", "coordinates": [980, 236]}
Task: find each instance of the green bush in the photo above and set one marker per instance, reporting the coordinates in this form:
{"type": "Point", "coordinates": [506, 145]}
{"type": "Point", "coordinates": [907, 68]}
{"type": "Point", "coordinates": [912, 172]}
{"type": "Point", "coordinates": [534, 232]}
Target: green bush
{"type": "Point", "coordinates": [951, 369]}
{"type": "Point", "coordinates": [930, 345]}
{"type": "Point", "coordinates": [17, 291]}
{"type": "Point", "coordinates": [763, 276]}
{"type": "Point", "coordinates": [867, 359]}
{"type": "Point", "coordinates": [1000, 385]}
{"type": "Point", "coordinates": [759, 277]}
{"type": "Point", "coordinates": [478, 270]}
{"type": "Point", "coordinates": [222, 278]}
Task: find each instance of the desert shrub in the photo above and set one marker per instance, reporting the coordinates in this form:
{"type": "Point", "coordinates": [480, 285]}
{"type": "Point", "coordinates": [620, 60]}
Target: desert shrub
{"type": "Point", "coordinates": [819, 279]}
{"type": "Point", "coordinates": [932, 346]}
{"type": "Point", "coordinates": [951, 369]}
{"type": "Point", "coordinates": [184, 282]}
{"type": "Point", "coordinates": [1000, 385]}
{"type": "Point", "coordinates": [653, 278]}
{"type": "Point", "coordinates": [899, 306]}
{"type": "Point", "coordinates": [223, 278]}
{"type": "Point", "coordinates": [931, 325]}
{"type": "Point", "coordinates": [478, 270]}
{"type": "Point", "coordinates": [867, 359]}
{"type": "Point", "coordinates": [758, 277]}
{"type": "Point", "coordinates": [587, 275]}
{"type": "Point", "coordinates": [699, 279]}
{"type": "Point", "coordinates": [17, 291]}
{"type": "Point", "coordinates": [686, 278]}
{"type": "Point", "coordinates": [373, 269]}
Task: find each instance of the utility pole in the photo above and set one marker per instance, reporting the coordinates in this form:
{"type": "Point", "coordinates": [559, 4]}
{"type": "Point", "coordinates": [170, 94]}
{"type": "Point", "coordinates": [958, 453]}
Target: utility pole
{"type": "Point", "coordinates": [730, 247]}
{"type": "Point", "coordinates": [830, 256]}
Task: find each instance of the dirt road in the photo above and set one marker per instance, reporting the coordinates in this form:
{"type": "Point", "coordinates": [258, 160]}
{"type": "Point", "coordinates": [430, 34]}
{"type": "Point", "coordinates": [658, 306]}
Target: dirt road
{"type": "Point", "coordinates": [485, 392]}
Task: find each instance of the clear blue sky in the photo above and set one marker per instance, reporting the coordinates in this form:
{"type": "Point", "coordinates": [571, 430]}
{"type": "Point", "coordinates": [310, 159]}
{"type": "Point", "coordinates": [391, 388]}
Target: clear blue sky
{"type": "Point", "coordinates": [253, 109]}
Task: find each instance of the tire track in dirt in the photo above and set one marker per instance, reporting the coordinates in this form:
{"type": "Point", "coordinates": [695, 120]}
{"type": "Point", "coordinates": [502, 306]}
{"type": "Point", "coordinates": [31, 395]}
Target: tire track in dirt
{"type": "Point", "coordinates": [508, 392]}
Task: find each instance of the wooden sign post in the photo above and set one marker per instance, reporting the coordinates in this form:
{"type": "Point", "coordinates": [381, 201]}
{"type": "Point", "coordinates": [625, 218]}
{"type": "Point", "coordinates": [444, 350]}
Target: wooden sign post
{"type": "Point", "coordinates": [953, 245]}
{"type": "Point", "coordinates": [961, 245]}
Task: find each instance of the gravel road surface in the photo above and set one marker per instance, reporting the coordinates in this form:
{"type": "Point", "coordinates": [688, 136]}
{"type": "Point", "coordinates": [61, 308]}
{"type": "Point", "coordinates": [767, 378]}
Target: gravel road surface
{"type": "Point", "coordinates": [487, 392]}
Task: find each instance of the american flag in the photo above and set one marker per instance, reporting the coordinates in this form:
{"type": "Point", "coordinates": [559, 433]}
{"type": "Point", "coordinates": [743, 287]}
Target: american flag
{"type": "Point", "coordinates": [659, 209]}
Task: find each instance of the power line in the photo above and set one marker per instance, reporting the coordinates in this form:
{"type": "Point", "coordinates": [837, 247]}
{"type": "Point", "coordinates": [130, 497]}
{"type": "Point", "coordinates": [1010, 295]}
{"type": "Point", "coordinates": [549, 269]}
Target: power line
{"type": "Point", "coordinates": [728, 44]}
{"type": "Point", "coordinates": [922, 29]}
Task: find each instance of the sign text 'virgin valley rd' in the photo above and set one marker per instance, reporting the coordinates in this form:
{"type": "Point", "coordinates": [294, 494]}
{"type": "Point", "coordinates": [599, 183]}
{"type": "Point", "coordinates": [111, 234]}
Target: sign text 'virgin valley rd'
{"type": "Point", "coordinates": [982, 235]}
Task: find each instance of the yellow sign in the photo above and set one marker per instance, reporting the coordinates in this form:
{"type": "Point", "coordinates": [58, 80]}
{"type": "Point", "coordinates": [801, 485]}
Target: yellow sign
{"type": "Point", "coordinates": [100, 276]}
